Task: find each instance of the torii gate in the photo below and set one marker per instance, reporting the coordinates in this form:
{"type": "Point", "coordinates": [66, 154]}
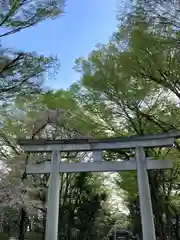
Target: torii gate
{"type": "Point", "coordinates": [141, 164]}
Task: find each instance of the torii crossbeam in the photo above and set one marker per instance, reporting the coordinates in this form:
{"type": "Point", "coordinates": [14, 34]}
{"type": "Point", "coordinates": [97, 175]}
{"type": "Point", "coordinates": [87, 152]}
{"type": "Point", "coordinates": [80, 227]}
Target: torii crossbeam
{"type": "Point", "coordinates": [141, 164]}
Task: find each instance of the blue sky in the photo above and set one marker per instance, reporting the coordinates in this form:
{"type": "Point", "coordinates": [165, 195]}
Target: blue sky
{"type": "Point", "coordinates": [84, 24]}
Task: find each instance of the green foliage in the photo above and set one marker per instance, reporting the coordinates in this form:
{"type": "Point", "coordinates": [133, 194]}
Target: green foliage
{"type": "Point", "coordinates": [10, 217]}
{"type": "Point", "coordinates": [22, 73]}
{"type": "Point", "coordinates": [4, 236]}
{"type": "Point", "coordinates": [24, 14]}
{"type": "Point", "coordinates": [83, 207]}
{"type": "Point", "coordinates": [131, 86]}
{"type": "Point", "coordinates": [34, 236]}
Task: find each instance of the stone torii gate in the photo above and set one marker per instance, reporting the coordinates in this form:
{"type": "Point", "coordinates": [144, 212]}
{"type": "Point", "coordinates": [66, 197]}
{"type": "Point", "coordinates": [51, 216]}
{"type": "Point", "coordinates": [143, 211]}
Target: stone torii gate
{"type": "Point", "coordinates": [140, 164]}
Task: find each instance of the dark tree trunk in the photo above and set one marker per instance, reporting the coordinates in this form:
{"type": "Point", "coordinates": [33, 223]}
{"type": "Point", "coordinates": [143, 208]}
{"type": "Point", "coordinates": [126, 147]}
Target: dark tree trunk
{"type": "Point", "coordinates": [22, 225]}
{"type": "Point", "coordinates": [44, 225]}
{"type": "Point", "coordinates": [157, 209]}
{"type": "Point", "coordinates": [177, 228]}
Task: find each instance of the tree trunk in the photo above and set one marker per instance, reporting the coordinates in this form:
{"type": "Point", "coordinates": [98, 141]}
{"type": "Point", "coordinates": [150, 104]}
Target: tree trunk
{"type": "Point", "coordinates": [22, 225]}
{"type": "Point", "coordinates": [177, 228]}
{"type": "Point", "coordinates": [44, 226]}
{"type": "Point", "coordinates": [157, 209]}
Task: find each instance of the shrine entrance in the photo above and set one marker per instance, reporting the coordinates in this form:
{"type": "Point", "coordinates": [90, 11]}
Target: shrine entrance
{"type": "Point", "coordinates": [140, 163]}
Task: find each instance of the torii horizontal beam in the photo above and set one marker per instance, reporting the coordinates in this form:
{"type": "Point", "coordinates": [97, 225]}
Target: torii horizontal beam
{"type": "Point", "coordinates": [77, 145]}
{"type": "Point", "coordinates": [104, 166]}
